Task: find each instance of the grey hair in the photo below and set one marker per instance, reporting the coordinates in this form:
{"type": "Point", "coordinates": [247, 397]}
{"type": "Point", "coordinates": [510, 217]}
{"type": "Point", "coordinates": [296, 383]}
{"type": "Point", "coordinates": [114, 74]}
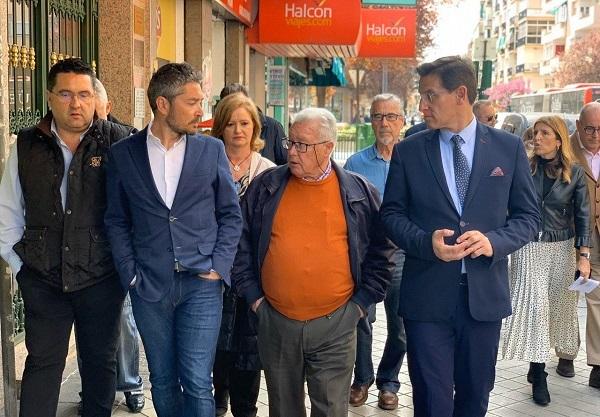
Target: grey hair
{"type": "Point", "coordinates": [168, 81]}
{"type": "Point", "coordinates": [481, 103]}
{"type": "Point", "coordinates": [326, 119]}
{"type": "Point", "coordinates": [388, 97]}
{"type": "Point", "coordinates": [100, 91]}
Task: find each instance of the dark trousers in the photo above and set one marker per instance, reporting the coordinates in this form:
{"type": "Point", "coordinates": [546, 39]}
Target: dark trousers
{"type": "Point", "coordinates": [49, 318]}
{"type": "Point", "coordinates": [241, 386]}
{"type": "Point", "coordinates": [320, 352]}
{"type": "Point", "coordinates": [457, 357]}
{"type": "Point", "coordinates": [395, 342]}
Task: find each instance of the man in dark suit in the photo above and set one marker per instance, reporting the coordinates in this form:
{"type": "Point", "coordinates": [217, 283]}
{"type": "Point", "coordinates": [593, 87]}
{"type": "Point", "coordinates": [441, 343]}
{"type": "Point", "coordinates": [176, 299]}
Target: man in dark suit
{"type": "Point", "coordinates": [459, 199]}
{"type": "Point", "coordinates": [174, 222]}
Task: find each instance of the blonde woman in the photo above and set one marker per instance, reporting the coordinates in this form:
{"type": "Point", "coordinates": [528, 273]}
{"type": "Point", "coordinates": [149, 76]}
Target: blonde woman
{"type": "Point", "coordinates": [236, 122]}
{"type": "Point", "coordinates": [544, 310]}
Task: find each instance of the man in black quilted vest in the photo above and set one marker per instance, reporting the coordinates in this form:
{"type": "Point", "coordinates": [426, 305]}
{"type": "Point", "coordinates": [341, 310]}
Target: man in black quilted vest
{"type": "Point", "coordinates": [52, 203]}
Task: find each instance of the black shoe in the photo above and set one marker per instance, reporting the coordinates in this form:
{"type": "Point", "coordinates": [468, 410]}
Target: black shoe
{"type": "Point", "coordinates": [595, 377]}
{"type": "Point", "coordinates": [135, 401]}
{"type": "Point", "coordinates": [565, 368]}
{"type": "Point", "coordinates": [530, 373]}
{"type": "Point", "coordinates": [220, 411]}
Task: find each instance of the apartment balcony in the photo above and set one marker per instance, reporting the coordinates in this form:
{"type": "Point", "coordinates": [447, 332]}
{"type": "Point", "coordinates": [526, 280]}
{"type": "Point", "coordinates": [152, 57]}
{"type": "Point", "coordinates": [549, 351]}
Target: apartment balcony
{"type": "Point", "coordinates": [556, 35]}
{"type": "Point", "coordinates": [550, 66]}
{"type": "Point", "coordinates": [581, 24]}
{"type": "Point", "coordinates": [528, 67]}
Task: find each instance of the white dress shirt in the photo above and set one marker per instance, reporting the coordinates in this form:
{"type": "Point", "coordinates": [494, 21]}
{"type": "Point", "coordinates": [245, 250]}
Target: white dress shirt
{"type": "Point", "coordinates": [12, 204]}
{"type": "Point", "coordinates": [166, 165]}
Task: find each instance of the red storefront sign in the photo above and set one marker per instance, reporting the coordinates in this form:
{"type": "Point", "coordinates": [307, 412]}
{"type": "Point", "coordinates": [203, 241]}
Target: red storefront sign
{"type": "Point", "coordinates": [244, 10]}
{"type": "Point", "coordinates": [388, 33]}
{"type": "Point", "coordinates": [315, 22]}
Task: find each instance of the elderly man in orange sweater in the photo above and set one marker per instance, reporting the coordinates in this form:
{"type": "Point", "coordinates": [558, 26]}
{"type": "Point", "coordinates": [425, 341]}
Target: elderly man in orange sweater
{"type": "Point", "coordinates": [312, 258]}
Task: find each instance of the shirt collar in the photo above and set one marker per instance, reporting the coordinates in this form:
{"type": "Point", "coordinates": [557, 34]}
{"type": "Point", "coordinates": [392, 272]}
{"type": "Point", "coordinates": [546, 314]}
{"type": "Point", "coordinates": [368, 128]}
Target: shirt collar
{"type": "Point", "coordinates": [54, 131]}
{"type": "Point", "coordinates": [468, 134]}
{"type": "Point", "coordinates": [324, 175]}
{"type": "Point", "coordinates": [156, 141]}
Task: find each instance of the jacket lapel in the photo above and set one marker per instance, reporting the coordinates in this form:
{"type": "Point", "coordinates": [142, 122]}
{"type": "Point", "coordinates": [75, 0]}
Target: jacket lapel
{"type": "Point", "coordinates": [432, 149]}
{"type": "Point", "coordinates": [479, 162]}
{"type": "Point", "coordinates": [575, 145]}
{"type": "Point", "coordinates": [139, 154]}
{"type": "Point", "coordinates": [193, 153]}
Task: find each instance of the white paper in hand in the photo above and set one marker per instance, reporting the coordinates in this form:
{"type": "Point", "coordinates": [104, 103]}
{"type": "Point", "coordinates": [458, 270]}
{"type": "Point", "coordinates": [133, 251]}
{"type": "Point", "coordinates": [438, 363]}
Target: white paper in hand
{"type": "Point", "coordinates": [584, 285]}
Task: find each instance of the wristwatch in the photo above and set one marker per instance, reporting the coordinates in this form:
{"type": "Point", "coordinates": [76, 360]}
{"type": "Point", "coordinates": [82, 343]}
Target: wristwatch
{"type": "Point", "coordinates": [585, 255]}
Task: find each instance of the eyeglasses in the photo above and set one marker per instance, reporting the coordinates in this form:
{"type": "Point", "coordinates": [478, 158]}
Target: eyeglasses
{"type": "Point", "coordinates": [390, 117]}
{"type": "Point", "coordinates": [428, 96]}
{"type": "Point", "coordinates": [68, 96]}
{"type": "Point", "coordinates": [301, 147]}
{"type": "Point", "coordinates": [590, 130]}
{"type": "Point", "coordinates": [492, 117]}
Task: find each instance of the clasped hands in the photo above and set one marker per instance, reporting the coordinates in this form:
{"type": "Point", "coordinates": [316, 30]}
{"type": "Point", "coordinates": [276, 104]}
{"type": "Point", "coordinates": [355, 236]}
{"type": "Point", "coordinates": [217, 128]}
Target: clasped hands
{"type": "Point", "coordinates": [472, 243]}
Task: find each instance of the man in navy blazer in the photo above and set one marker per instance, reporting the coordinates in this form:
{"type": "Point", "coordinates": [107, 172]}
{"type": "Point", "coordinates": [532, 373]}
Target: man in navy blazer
{"type": "Point", "coordinates": [174, 223]}
{"type": "Point", "coordinates": [459, 199]}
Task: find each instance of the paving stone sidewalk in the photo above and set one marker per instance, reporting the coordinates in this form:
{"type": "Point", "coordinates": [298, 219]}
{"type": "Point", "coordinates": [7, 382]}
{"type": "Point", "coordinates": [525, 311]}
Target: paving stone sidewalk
{"type": "Point", "coordinates": [571, 397]}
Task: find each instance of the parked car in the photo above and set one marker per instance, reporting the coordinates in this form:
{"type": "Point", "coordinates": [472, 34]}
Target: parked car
{"type": "Point", "coordinates": [517, 123]}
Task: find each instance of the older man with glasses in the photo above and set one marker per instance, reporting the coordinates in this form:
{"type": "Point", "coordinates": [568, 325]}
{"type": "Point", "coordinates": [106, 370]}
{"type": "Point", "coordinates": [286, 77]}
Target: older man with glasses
{"type": "Point", "coordinates": [586, 147]}
{"type": "Point", "coordinates": [485, 112]}
{"type": "Point", "coordinates": [373, 163]}
{"type": "Point", "coordinates": [311, 260]}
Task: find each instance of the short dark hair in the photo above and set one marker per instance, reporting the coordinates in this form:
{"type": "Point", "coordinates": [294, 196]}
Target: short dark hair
{"type": "Point", "coordinates": [169, 80]}
{"type": "Point", "coordinates": [233, 88]}
{"type": "Point", "coordinates": [74, 65]}
{"type": "Point", "coordinates": [453, 71]}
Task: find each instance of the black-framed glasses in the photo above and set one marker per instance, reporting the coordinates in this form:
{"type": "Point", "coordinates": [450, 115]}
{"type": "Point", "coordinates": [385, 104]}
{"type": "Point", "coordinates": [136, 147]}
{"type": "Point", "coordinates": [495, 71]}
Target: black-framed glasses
{"type": "Point", "coordinates": [68, 96]}
{"type": "Point", "coordinates": [390, 117]}
{"type": "Point", "coordinates": [492, 118]}
{"type": "Point", "coordinates": [301, 147]}
{"type": "Point", "coordinates": [590, 130]}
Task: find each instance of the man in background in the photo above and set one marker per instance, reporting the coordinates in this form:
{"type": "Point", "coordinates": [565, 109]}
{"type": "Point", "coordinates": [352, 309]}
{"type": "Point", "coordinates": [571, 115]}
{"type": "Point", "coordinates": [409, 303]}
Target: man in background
{"type": "Point", "coordinates": [586, 147]}
{"type": "Point", "coordinates": [485, 112]}
{"type": "Point", "coordinates": [373, 163]}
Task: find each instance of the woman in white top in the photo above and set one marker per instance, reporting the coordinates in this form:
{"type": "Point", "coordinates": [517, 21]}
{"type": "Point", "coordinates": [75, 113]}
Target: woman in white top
{"type": "Point", "coordinates": [236, 373]}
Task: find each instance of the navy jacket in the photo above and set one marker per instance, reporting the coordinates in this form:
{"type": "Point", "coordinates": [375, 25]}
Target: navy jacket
{"type": "Point", "coordinates": [370, 251]}
{"type": "Point", "coordinates": [201, 230]}
{"type": "Point", "coordinates": [500, 203]}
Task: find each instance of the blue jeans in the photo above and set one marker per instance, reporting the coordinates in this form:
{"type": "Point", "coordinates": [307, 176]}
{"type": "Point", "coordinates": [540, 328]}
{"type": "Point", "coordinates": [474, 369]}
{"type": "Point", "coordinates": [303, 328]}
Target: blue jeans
{"type": "Point", "coordinates": [128, 352]}
{"type": "Point", "coordinates": [395, 343]}
{"type": "Point", "coordinates": [180, 335]}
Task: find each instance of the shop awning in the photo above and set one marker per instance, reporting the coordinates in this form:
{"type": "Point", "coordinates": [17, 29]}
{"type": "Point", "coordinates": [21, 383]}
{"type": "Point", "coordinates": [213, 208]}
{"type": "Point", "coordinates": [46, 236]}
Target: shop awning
{"type": "Point", "coordinates": [306, 28]}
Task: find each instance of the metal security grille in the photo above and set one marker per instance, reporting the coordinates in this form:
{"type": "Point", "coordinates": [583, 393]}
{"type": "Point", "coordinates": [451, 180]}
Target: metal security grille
{"type": "Point", "coordinates": [40, 33]}
{"type": "Point", "coordinates": [23, 61]}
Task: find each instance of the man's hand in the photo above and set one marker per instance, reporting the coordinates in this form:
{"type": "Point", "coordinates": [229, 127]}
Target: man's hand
{"type": "Point", "coordinates": [256, 304]}
{"type": "Point", "coordinates": [210, 275]}
{"type": "Point", "coordinates": [477, 244]}
{"type": "Point", "coordinates": [445, 252]}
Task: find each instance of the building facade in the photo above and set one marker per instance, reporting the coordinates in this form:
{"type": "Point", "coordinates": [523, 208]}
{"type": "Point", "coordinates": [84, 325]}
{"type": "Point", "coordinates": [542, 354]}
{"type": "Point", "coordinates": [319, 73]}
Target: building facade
{"type": "Point", "coordinates": [531, 35]}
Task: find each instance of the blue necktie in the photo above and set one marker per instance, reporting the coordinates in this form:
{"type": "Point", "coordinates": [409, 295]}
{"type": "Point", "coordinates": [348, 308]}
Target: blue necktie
{"type": "Point", "coordinates": [461, 169]}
